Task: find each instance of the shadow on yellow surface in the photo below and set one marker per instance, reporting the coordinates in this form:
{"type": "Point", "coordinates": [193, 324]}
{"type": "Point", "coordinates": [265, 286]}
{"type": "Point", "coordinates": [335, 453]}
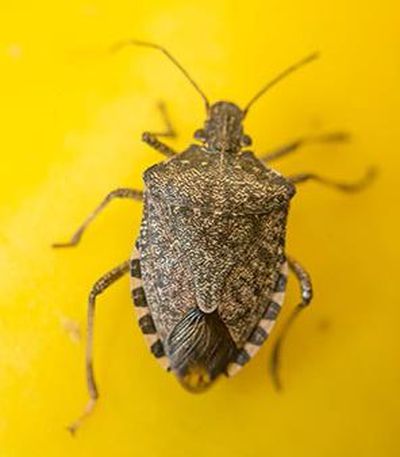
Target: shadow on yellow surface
{"type": "Point", "coordinates": [71, 121]}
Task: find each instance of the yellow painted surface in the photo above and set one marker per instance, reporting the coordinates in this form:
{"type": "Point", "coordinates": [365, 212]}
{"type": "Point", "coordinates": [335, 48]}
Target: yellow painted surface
{"type": "Point", "coordinates": [71, 118]}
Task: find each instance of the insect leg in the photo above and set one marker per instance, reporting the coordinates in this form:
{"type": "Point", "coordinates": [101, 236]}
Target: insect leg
{"type": "Point", "coordinates": [295, 145]}
{"type": "Point", "coordinates": [343, 186]}
{"type": "Point", "coordinates": [151, 137]}
{"type": "Point", "coordinates": [306, 295]}
{"type": "Point", "coordinates": [101, 284]}
{"type": "Point", "coordinates": [169, 131]}
{"type": "Point", "coordinates": [117, 193]}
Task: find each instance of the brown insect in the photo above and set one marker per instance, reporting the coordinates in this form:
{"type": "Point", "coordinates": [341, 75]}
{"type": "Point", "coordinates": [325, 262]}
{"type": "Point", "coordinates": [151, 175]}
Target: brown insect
{"type": "Point", "coordinates": [209, 270]}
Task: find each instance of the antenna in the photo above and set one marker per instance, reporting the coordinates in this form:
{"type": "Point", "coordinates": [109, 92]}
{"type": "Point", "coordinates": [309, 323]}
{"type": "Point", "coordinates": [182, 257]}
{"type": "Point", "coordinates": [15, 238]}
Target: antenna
{"type": "Point", "coordinates": [123, 44]}
{"type": "Point", "coordinates": [279, 78]}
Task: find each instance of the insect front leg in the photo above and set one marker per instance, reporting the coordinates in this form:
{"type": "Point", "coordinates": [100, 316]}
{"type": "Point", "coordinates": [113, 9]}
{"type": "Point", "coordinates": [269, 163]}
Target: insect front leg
{"type": "Point", "coordinates": [102, 284]}
{"type": "Point", "coordinates": [306, 296]}
{"type": "Point", "coordinates": [117, 193]}
{"type": "Point", "coordinates": [354, 186]}
{"type": "Point", "coordinates": [287, 149]}
{"type": "Point", "coordinates": [169, 131]}
{"type": "Point", "coordinates": [151, 137]}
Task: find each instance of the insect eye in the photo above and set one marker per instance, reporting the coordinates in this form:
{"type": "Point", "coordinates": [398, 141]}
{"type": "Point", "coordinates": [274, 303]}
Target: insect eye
{"type": "Point", "coordinates": [246, 140]}
{"type": "Point", "coordinates": [200, 135]}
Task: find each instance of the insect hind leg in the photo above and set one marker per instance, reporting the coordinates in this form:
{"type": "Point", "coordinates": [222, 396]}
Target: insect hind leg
{"type": "Point", "coordinates": [100, 286]}
{"type": "Point", "coordinates": [306, 296]}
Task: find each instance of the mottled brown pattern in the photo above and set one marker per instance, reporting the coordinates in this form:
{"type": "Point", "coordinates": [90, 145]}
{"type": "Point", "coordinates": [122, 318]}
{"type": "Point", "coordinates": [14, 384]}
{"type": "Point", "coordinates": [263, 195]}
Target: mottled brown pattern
{"type": "Point", "coordinates": [212, 237]}
{"type": "Point", "coordinates": [210, 277]}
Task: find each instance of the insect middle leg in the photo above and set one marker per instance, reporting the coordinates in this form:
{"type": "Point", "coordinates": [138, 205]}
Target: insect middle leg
{"type": "Point", "coordinates": [102, 284]}
{"type": "Point", "coordinates": [295, 145]}
{"type": "Point", "coordinates": [354, 186]}
{"type": "Point", "coordinates": [306, 296]}
{"type": "Point", "coordinates": [117, 193]}
{"type": "Point", "coordinates": [151, 137]}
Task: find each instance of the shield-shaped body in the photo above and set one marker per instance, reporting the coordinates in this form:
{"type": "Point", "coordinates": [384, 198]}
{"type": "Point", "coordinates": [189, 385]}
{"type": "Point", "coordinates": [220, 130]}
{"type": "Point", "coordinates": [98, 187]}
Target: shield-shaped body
{"type": "Point", "coordinates": [211, 249]}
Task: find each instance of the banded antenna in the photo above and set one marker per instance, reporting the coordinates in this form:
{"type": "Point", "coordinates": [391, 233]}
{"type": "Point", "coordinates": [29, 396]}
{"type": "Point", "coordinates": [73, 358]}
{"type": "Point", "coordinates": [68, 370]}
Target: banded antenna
{"type": "Point", "coordinates": [279, 78]}
{"type": "Point", "coordinates": [124, 44]}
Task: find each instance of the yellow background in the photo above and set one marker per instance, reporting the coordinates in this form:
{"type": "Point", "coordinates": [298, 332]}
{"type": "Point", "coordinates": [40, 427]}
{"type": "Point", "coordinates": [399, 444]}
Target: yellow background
{"type": "Point", "coordinates": [71, 119]}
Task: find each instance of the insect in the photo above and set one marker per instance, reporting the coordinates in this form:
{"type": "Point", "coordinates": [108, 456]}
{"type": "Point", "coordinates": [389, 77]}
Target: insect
{"type": "Point", "coordinates": [209, 269]}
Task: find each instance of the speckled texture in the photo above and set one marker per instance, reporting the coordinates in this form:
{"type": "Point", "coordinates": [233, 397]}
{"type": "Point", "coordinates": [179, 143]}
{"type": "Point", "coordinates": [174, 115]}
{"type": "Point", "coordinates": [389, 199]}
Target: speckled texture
{"type": "Point", "coordinates": [72, 119]}
{"type": "Point", "coordinates": [212, 238]}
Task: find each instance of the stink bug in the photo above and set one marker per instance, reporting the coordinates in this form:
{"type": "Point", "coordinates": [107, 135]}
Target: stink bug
{"type": "Point", "coordinates": [209, 269]}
